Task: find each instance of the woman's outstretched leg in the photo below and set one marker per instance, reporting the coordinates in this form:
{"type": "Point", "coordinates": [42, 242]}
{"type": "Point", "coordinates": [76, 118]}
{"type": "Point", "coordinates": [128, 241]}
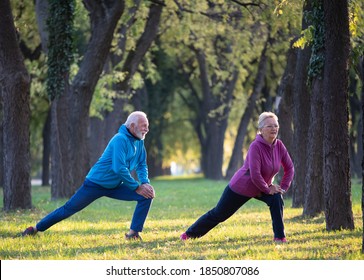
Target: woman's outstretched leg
{"type": "Point", "coordinates": [228, 204]}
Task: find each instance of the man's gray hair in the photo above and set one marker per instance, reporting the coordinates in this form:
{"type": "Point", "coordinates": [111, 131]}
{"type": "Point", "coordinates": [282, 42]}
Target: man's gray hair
{"type": "Point", "coordinates": [134, 118]}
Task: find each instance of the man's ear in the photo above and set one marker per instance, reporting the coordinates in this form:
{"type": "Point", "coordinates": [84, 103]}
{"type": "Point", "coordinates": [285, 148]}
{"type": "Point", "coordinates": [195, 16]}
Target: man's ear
{"type": "Point", "coordinates": [132, 127]}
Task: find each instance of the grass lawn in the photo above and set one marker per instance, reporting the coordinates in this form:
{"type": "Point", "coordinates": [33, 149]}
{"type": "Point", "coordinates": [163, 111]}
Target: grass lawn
{"type": "Point", "coordinates": [97, 232]}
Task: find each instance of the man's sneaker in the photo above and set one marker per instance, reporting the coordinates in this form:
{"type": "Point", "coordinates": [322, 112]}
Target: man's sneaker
{"type": "Point", "coordinates": [280, 240]}
{"type": "Point", "coordinates": [29, 231]}
{"type": "Point", "coordinates": [133, 236]}
{"type": "Point", "coordinates": [184, 236]}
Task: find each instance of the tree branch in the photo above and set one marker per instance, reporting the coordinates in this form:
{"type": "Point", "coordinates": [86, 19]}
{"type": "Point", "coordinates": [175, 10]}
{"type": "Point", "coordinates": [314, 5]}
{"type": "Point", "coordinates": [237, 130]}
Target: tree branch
{"type": "Point", "coordinates": [211, 15]}
{"type": "Point", "coordinates": [157, 2]}
{"type": "Point", "coordinates": [245, 5]}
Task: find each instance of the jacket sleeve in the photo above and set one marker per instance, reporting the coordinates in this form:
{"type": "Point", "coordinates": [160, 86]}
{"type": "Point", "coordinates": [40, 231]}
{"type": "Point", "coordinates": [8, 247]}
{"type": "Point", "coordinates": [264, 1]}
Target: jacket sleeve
{"type": "Point", "coordinates": [142, 168]}
{"type": "Point", "coordinates": [255, 166]}
{"type": "Point", "coordinates": [288, 169]}
{"type": "Point", "coordinates": [120, 166]}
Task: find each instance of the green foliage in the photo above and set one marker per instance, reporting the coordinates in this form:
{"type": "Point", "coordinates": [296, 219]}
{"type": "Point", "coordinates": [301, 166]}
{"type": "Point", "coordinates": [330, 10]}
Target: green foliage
{"type": "Point", "coordinates": [102, 99]}
{"type": "Point", "coordinates": [314, 36]}
{"type": "Point", "coordinates": [97, 232]}
{"type": "Point", "coordinates": [25, 22]}
{"type": "Point", "coordinates": [305, 39]}
{"type": "Point", "coordinates": [81, 30]}
{"type": "Point", "coordinates": [317, 60]}
{"type": "Point", "coordinates": [226, 40]}
{"type": "Point", "coordinates": [231, 38]}
{"type": "Point", "coordinates": [60, 54]}
{"type": "Point", "coordinates": [356, 25]}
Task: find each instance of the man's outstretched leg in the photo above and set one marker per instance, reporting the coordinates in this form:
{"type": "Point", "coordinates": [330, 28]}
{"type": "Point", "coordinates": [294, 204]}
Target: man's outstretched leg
{"type": "Point", "coordinates": [86, 194]}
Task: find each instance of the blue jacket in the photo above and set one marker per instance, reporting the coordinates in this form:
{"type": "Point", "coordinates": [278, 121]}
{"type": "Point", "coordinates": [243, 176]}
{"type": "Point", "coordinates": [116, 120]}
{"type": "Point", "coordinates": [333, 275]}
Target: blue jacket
{"type": "Point", "coordinates": [123, 154]}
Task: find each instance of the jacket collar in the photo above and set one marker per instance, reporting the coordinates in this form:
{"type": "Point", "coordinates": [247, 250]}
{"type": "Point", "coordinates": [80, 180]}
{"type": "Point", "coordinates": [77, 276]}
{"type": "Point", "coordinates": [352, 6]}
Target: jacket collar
{"type": "Point", "coordinates": [123, 129]}
{"type": "Point", "coordinates": [260, 139]}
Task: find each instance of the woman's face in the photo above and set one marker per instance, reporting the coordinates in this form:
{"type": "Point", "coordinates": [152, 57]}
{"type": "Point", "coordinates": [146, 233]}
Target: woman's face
{"type": "Point", "coordinates": [270, 130]}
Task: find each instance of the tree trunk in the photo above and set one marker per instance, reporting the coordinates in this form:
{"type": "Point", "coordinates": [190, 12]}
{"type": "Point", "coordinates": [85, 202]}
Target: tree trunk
{"type": "Point", "coordinates": [356, 152]}
{"type": "Point", "coordinates": [42, 12]}
{"type": "Point", "coordinates": [15, 91]}
{"type": "Point", "coordinates": [46, 135]}
{"type": "Point", "coordinates": [361, 68]}
{"type": "Point", "coordinates": [60, 159]}
{"type": "Point", "coordinates": [301, 117]}
{"type": "Point", "coordinates": [130, 66]}
{"type": "Point", "coordinates": [97, 141]}
{"type": "Point", "coordinates": [214, 122]}
{"type": "Point", "coordinates": [314, 193]}
{"type": "Point", "coordinates": [70, 158]}
{"type": "Point", "coordinates": [2, 170]}
{"type": "Point", "coordinates": [236, 159]}
{"type": "Point", "coordinates": [313, 189]}
{"type": "Point", "coordinates": [212, 151]}
{"type": "Point", "coordinates": [285, 106]}
{"type": "Point", "coordinates": [337, 184]}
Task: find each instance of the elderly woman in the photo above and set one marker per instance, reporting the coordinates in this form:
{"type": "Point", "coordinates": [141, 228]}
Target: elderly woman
{"type": "Point", "coordinates": [254, 180]}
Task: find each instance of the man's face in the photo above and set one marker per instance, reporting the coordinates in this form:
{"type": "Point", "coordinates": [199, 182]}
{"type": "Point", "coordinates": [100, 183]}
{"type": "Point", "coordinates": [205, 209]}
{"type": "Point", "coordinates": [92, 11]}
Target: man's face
{"type": "Point", "coordinates": [140, 129]}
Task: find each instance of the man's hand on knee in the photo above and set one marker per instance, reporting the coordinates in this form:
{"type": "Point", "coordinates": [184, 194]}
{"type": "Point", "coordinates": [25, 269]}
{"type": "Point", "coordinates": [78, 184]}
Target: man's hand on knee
{"type": "Point", "coordinates": [146, 190]}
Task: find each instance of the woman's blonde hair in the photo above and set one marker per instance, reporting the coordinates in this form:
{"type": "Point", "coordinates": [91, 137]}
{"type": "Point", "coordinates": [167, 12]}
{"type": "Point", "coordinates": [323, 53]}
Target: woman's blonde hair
{"type": "Point", "coordinates": [263, 116]}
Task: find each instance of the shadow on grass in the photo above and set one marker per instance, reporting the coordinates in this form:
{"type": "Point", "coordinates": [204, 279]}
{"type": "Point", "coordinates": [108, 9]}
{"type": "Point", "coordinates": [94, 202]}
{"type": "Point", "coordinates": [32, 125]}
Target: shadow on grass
{"type": "Point", "coordinates": [307, 220]}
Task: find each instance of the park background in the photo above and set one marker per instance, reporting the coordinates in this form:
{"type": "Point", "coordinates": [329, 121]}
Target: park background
{"type": "Point", "coordinates": [71, 71]}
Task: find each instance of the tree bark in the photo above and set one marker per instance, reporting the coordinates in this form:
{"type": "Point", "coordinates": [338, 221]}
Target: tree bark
{"type": "Point", "coordinates": [361, 71]}
{"type": "Point", "coordinates": [15, 91]}
{"type": "Point", "coordinates": [97, 139]}
{"type": "Point", "coordinates": [313, 189]}
{"type": "Point", "coordinates": [337, 184]}
{"type": "Point", "coordinates": [314, 192]}
{"type": "Point", "coordinates": [46, 135]}
{"type": "Point", "coordinates": [60, 159]}
{"type": "Point", "coordinates": [41, 11]}
{"type": "Point", "coordinates": [285, 106]}
{"type": "Point", "coordinates": [301, 117]}
{"type": "Point", "coordinates": [2, 170]}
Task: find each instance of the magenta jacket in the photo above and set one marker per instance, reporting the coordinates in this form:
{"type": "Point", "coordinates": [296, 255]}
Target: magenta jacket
{"type": "Point", "coordinates": [262, 163]}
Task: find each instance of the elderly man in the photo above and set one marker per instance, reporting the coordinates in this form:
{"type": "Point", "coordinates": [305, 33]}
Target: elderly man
{"type": "Point", "coordinates": [111, 177]}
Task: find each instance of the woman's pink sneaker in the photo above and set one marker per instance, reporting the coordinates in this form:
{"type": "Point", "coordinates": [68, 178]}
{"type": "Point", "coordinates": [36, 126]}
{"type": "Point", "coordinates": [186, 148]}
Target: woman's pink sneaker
{"type": "Point", "coordinates": [280, 240]}
{"type": "Point", "coordinates": [184, 236]}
